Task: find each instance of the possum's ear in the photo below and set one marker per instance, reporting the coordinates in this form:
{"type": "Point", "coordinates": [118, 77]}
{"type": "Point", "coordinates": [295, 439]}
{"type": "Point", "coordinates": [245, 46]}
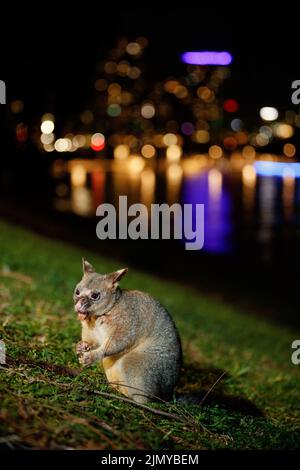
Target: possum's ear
{"type": "Point", "coordinates": [87, 267]}
{"type": "Point", "coordinates": [113, 278]}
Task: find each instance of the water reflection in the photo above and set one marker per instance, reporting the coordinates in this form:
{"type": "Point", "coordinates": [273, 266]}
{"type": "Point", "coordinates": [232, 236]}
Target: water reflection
{"type": "Point", "coordinates": [174, 174]}
{"type": "Point", "coordinates": [207, 188]}
{"type": "Point", "coordinates": [242, 199]}
{"type": "Point", "coordinates": [148, 181]}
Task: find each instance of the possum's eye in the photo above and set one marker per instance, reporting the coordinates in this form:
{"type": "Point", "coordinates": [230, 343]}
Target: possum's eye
{"type": "Point", "coordinates": [95, 296]}
{"type": "Point", "coordinates": [77, 292]}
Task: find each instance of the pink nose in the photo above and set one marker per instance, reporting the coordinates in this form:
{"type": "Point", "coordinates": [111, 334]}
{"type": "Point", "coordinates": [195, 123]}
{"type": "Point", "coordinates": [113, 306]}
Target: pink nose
{"type": "Point", "coordinates": [79, 307]}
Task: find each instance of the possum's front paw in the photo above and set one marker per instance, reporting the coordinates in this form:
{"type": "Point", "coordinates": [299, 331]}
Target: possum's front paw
{"type": "Point", "coordinates": [82, 347]}
{"type": "Point", "coordinates": [86, 358]}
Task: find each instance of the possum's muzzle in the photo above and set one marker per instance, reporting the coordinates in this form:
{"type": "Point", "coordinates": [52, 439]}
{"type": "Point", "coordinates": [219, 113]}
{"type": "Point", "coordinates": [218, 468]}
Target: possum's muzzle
{"type": "Point", "coordinates": [82, 309]}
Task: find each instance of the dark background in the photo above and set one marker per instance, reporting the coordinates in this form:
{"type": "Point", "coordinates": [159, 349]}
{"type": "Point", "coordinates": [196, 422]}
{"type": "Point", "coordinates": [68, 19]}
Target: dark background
{"type": "Point", "coordinates": [49, 60]}
{"type": "Point", "coordinates": [63, 43]}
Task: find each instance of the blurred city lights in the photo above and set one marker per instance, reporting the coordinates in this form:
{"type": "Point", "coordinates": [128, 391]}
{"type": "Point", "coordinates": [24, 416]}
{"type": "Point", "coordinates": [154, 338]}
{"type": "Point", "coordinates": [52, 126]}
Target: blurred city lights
{"type": "Point", "coordinates": [236, 124]}
{"type": "Point", "coordinates": [133, 48]}
{"type": "Point", "coordinates": [81, 201]}
{"type": "Point", "coordinates": [170, 139]}
{"type": "Point", "coordinates": [47, 138]}
{"type": "Point", "coordinates": [187, 128]}
{"type": "Point", "coordinates": [22, 133]}
{"type": "Point", "coordinates": [47, 127]}
{"type": "Point", "coordinates": [79, 141]}
{"type": "Point", "coordinates": [148, 151]}
{"type": "Point", "coordinates": [49, 147]}
{"type": "Point", "coordinates": [207, 58]}
{"type": "Point", "coordinates": [78, 175]}
{"type": "Point", "coordinates": [205, 94]}
{"type": "Point", "coordinates": [266, 130]}
{"type": "Point", "coordinates": [174, 178]}
{"type": "Point", "coordinates": [148, 180]}
{"type": "Point", "coordinates": [121, 152]}
{"type": "Point", "coordinates": [136, 164]}
{"type": "Point", "coordinates": [114, 110]}
{"type": "Point", "coordinates": [47, 117]}
{"type": "Point", "coordinates": [100, 84]}
{"type": "Point", "coordinates": [268, 168]}
{"type": "Point", "coordinates": [215, 151]}
{"type": "Point", "coordinates": [289, 150]}
{"type": "Point", "coordinates": [283, 131]}
{"type": "Point", "coordinates": [230, 143]}
{"type": "Point", "coordinates": [134, 73]}
{"type": "Point", "coordinates": [63, 145]}
{"type": "Point", "coordinates": [261, 139]}
{"type": "Point", "coordinates": [190, 116]}
{"type": "Point", "coordinates": [268, 113]}
{"type": "Point", "coordinates": [87, 117]}
{"type": "Point", "coordinates": [249, 175]}
{"type": "Point", "coordinates": [241, 137]}
{"type": "Point", "coordinates": [202, 136]}
{"type": "Point", "coordinates": [248, 152]}
{"type": "Point", "coordinates": [174, 153]}
{"type": "Point", "coordinates": [147, 111]}
{"type": "Point", "coordinates": [181, 92]}
{"type": "Point", "coordinates": [98, 142]}
{"type": "Point", "coordinates": [231, 106]}
{"type": "Point", "coordinates": [16, 106]}
{"type": "Point", "coordinates": [215, 179]}
{"type": "Point", "coordinates": [114, 89]}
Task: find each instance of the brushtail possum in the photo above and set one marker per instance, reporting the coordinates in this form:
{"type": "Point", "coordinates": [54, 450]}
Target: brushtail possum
{"type": "Point", "coordinates": [130, 332]}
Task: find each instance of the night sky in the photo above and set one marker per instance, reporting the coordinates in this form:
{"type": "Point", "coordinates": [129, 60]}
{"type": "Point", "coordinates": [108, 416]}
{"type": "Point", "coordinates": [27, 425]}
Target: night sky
{"type": "Point", "coordinates": [53, 54]}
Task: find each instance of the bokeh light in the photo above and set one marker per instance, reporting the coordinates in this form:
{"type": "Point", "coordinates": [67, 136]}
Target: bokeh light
{"type": "Point", "coordinates": [16, 106]}
{"type": "Point", "coordinates": [147, 111]}
{"type": "Point", "coordinates": [133, 48]}
{"type": "Point", "coordinates": [215, 151]}
{"type": "Point", "coordinates": [201, 136]}
{"type": "Point", "coordinates": [121, 152]}
{"type": "Point", "coordinates": [236, 124]}
{"type": "Point", "coordinates": [47, 127]}
{"type": "Point", "coordinates": [114, 110]}
{"type": "Point", "coordinates": [47, 138]}
{"type": "Point", "coordinates": [289, 150]}
{"type": "Point", "coordinates": [231, 106]}
{"type": "Point", "coordinates": [174, 153]}
{"type": "Point", "coordinates": [207, 58]}
{"type": "Point", "coordinates": [268, 113]}
{"type": "Point", "coordinates": [170, 139]}
{"type": "Point", "coordinates": [63, 145]}
{"type": "Point", "coordinates": [249, 175]}
{"type": "Point", "coordinates": [98, 142]}
{"type": "Point", "coordinates": [283, 131]}
{"type": "Point", "coordinates": [148, 151]}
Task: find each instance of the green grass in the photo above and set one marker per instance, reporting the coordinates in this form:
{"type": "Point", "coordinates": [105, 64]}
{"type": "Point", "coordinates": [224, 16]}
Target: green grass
{"type": "Point", "coordinates": [47, 401]}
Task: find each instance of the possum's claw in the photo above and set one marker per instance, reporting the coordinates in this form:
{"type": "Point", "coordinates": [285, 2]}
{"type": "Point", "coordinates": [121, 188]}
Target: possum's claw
{"type": "Point", "coordinates": [86, 359]}
{"type": "Point", "coordinates": [82, 347]}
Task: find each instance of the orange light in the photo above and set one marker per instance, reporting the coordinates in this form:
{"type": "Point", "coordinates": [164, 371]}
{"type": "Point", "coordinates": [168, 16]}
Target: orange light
{"type": "Point", "coordinates": [289, 150]}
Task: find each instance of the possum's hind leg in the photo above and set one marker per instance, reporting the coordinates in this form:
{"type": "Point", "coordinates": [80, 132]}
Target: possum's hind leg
{"type": "Point", "coordinates": [131, 376]}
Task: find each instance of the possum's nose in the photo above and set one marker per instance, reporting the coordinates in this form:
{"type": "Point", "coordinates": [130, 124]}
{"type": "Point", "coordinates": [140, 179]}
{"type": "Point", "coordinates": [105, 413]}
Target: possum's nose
{"type": "Point", "coordinates": [81, 308]}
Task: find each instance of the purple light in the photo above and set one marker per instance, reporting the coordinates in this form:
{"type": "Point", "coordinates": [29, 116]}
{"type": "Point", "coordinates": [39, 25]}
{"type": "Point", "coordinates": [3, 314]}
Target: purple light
{"type": "Point", "coordinates": [207, 58]}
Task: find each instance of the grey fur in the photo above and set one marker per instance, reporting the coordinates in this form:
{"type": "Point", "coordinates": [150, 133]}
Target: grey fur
{"type": "Point", "coordinates": [131, 333]}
